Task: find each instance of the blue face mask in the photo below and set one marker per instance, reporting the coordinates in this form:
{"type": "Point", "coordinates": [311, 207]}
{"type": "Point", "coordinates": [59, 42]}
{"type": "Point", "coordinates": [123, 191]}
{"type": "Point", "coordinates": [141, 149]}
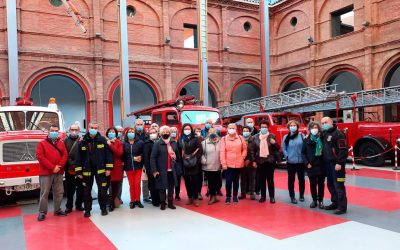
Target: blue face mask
{"type": "Point", "coordinates": [173, 135]}
{"type": "Point", "coordinates": [120, 135]}
{"type": "Point", "coordinates": [208, 125]}
{"type": "Point", "coordinates": [111, 135]}
{"type": "Point", "coordinates": [130, 135]}
{"type": "Point", "coordinates": [213, 136]}
{"type": "Point", "coordinates": [93, 132]}
{"type": "Point", "coordinates": [293, 129]}
{"type": "Point", "coordinates": [139, 129]}
{"type": "Point", "coordinates": [326, 126]}
{"type": "Point", "coordinates": [246, 134]}
{"type": "Point", "coordinates": [53, 135]}
{"type": "Point", "coordinates": [250, 125]}
{"type": "Point", "coordinates": [264, 130]}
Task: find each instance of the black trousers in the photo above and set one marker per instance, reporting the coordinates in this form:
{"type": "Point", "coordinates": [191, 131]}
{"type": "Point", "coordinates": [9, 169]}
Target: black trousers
{"type": "Point", "coordinates": [292, 170]}
{"type": "Point", "coordinates": [200, 182]}
{"type": "Point", "coordinates": [335, 180]}
{"type": "Point", "coordinates": [232, 178]}
{"type": "Point", "coordinates": [73, 185]}
{"type": "Point", "coordinates": [247, 180]}
{"type": "Point", "coordinates": [214, 178]}
{"type": "Point", "coordinates": [115, 185]}
{"type": "Point", "coordinates": [266, 174]}
{"type": "Point", "coordinates": [317, 187]}
{"type": "Point", "coordinates": [192, 186]}
{"type": "Point", "coordinates": [155, 197]}
{"type": "Point", "coordinates": [178, 185]}
{"type": "Point", "coordinates": [170, 189]}
{"type": "Point", "coordinates": [101, 182]}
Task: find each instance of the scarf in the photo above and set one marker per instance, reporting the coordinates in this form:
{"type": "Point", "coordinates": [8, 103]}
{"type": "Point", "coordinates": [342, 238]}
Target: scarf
{"type": "Point", "coordinates": [264, 150]}
{"type": "Point", "coordinates": [318, 148]}
{"type": "Point", "coordinates": [290, 136]}
{"type": "Point", "coordinates": [171, 151]}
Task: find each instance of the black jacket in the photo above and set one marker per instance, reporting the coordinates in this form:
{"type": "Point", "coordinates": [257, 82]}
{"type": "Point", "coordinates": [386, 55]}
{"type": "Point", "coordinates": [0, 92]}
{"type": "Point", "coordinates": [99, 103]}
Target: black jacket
{"type": "Point", "coordinates": [103, 156]}
{"type": "Point", "coordinates": [130, 151]}
{"type": "Point", "coordinates": [309, 157]}
{"type": "Point", "coordinates": [335, 146]}
{"type": "Point", "coordinates": [188, 148]}
{"type": "Point", "coordinates": [69, 142]}
{"type": "Point", "coordinates": [254, 148]}
{"type": "Point", "coordinates": [147, 148]}
{"type": "Point", "coordinates": [159, 163]}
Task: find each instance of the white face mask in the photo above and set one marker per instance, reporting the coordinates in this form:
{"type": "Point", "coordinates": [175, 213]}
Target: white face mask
{"type": "Point", "coordinates": [187, 132]}
{"type": "Point", "coordinates": [198, 134]}
{"type": "Point", "coordinates": [231, 131]}
{"type": "Point", "coordinates": [153, 136]}
{"type": "Point", "coordinates": [314, 131]}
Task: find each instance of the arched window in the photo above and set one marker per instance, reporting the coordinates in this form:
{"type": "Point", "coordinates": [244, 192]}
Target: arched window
{"type": "Point", "coordinates": [141, 95]}
{"type": "Point", "coordinates": [70, 97]}
{"type": "Point", "coordinates": [392, 112]}
{"type": "Point", "coordinates": [193, 88]}
{"type": "Point", "coordinates": [245, 91]}
{"type": "Point", "coordinates": [293, 86]}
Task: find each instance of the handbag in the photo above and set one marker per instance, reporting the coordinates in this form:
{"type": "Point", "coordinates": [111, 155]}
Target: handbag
{"type": "Point", "coordinates": [189, 161]}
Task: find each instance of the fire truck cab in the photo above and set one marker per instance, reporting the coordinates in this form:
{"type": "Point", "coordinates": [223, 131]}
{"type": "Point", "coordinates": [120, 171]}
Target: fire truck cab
{"type": "Point", "coordinates": [21, 128]}
{"type": "Point", "coordinates": [175, 113]}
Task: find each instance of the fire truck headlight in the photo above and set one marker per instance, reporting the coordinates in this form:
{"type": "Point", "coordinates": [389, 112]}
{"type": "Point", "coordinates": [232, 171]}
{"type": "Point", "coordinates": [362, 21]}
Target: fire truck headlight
{"type": "Point", "coordinates": [179, 104]}
{"type": "Point", "coordinates": [398, 141]}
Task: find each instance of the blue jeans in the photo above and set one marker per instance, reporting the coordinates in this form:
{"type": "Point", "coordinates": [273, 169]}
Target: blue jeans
{"type": "Point", "coordinates": [232, 176]}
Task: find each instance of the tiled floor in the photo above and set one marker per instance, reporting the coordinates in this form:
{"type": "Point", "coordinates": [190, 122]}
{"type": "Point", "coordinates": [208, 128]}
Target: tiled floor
{"type": "Point", "coordinates": [372, 222]}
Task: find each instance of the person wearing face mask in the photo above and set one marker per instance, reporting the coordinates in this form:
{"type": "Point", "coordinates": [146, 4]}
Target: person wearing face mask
{"type": "Point", "coordinates": [250, 124]}
{"type": "Point", "coordinates": [312, 158]}
{"type": "Point", "coordinates": [139, 128]}
{"type": "Point", "coordinates": [335, 152]}
{"type": "Point", "coordinates": [117, 149]}
{"type": "Point", "coordinates": [147, 148]}
{"type": "Point", "coordinates": [211, 163]}
{"type": "Point", "coordinates": [174, 137]}
{"type": "Point", "coordinates": [52, 156]}
{"type": "Point", "coordinates": [73, 185]}
{"type": "Point", "coordinates": [232, 154]}
{"type": "Point", "coordinates": [292, 144]}
{"type": "Point", "coordinates": [120, 136]}
{"type": "Point", "coordinates": [199, 134]}
{"type": "Point", "coordinates": [94, 161]}
{"type": "Point", "coordinates": [264, 150]}
{"type": "Point", "coordinates": [190, 146]}
{"type": "Point", "coordinates": [207, 126]}
{"type": "Point", "coordinates": [133, 165]}
{"type": "Point", "coordinates": [165, 167]}
{"type": "Point", "coordinates": [247, 176]}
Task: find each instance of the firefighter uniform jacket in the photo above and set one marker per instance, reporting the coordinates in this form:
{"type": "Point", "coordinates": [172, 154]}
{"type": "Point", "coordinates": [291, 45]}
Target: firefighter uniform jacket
{"type": "Point", "coordinates": [335, 146]}
{"type": "Point", "coordinates": [102, 156]}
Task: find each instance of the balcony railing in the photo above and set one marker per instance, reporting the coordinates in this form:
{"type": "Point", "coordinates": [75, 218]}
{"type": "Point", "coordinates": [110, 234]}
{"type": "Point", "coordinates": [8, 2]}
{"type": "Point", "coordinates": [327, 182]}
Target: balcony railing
{"type": "Point", "coordinates": [257, 2]}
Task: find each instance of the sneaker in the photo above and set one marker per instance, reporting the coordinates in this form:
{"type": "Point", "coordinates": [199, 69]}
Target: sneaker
{"type": "Point", "coordinates": [228, 201]}
{"type": "Point", "coordinates": [235, 200]}
{"type": "Point", "coordinates": [41, 217]}
{"type": "Point", "coordinates": [60, 213]}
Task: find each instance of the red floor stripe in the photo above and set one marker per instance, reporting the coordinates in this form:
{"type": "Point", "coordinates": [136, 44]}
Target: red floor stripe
{"type": "Point", "coordinates": [374, 173]}
{"type": "Point", "coordinates": [7, 212]}
{"type": "Point", "coordinates": [278, 220]}
{"type": "Point", "coordinates": [71, 232]}
{"type": "Point", "coordinates": [365, 197]}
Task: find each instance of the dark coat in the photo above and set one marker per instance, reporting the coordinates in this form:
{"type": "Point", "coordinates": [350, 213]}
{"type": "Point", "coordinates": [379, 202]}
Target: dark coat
{"type": "Point", "coordinates": [103, 156]}
{"type": "Point", "coordinates": [188, 148]}
{"type": "Point", "coordinates": [147, 148]}
{"type": "Point", "coordinates": [273, 150]}
{"type": "Point", "coordinates": [72, 152]}
{"type": "Point", "coordinates": [308, 155]}
{"type": "Point", "coordinates": [335, 146]}
{"type": "Point", "coordinates": [159, 163]}
{"type": "Point", "coordinates": [142, 136]}
{"type": "Point", "coordinates": [130, 151]}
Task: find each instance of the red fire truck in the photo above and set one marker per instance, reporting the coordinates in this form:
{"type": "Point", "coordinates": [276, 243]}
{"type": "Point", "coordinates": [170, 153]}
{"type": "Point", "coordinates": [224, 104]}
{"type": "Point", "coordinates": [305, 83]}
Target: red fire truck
{"type": "Point", "coordinates": [175, 113]}
{"type": "Point", "coordinates": [21, 127]}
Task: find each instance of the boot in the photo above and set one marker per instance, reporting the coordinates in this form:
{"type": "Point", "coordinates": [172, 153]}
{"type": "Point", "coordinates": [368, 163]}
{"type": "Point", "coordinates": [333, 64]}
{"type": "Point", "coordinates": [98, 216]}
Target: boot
{"type": "Point", "coordinates": [171, 204]}
{"type": "Point", "coordinates": [212, 200]}
{"type": "Point", "coordinates": [162, 207]}
{"type": "Point", "coordinates": [104, 211]}
{"type": "Point", "coordinates": [189, 202]}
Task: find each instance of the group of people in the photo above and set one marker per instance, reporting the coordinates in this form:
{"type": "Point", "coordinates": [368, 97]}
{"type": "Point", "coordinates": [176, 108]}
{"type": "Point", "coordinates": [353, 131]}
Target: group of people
{"type": "Point", "coordinates": [156, 160]}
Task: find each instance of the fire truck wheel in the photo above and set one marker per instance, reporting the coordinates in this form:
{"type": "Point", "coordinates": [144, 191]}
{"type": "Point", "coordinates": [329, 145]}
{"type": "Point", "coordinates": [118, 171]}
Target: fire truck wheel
{"type": "Point", "coordinates": [370, 149]}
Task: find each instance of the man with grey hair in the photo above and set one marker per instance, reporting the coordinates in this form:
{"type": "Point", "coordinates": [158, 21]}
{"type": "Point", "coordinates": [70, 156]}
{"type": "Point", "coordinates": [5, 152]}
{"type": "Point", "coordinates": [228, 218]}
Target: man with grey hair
{"type": "Point", "coordinates": [250, 123]}
{"type": "Point", "coordinates": [73, 184]}
{"type": "Point", "coordinates": [139, 128]}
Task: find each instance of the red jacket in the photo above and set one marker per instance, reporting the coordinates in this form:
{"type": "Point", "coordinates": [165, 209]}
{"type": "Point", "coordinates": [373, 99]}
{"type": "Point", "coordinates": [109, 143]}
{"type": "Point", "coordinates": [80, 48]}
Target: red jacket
{"type": "Point", "coordinates": [117, 149]}
{"type": "Point", "coordinates": [48, 156]}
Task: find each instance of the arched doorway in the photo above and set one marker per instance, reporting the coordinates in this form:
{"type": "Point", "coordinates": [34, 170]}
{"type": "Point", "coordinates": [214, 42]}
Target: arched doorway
{"type": "Point", "coordinates": [70, 97]}
{"type": "Point", "coordinates": [392, 112]}
{"type": "Point", "coordinates": [193, 88]}
{"type": "Point", "coordinates": [245, 91]}
{"type": "Point", "coordinates": [141, 93]}
{"type": "Point", "coordinates": [350, 81]}
{"type": "Point", "coordinates": [293, 85]}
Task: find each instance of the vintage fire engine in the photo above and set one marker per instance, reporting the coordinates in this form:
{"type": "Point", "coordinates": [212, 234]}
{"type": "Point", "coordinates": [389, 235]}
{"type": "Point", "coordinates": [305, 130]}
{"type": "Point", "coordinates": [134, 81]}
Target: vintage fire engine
{"type": "Point", "coordinates": [21, 128]}
{"type": "Point", "coordinates": [175, 113]}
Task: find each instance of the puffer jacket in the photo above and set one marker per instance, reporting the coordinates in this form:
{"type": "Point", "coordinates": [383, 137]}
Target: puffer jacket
{"type": "Point", "coordinates": [233, 151]}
